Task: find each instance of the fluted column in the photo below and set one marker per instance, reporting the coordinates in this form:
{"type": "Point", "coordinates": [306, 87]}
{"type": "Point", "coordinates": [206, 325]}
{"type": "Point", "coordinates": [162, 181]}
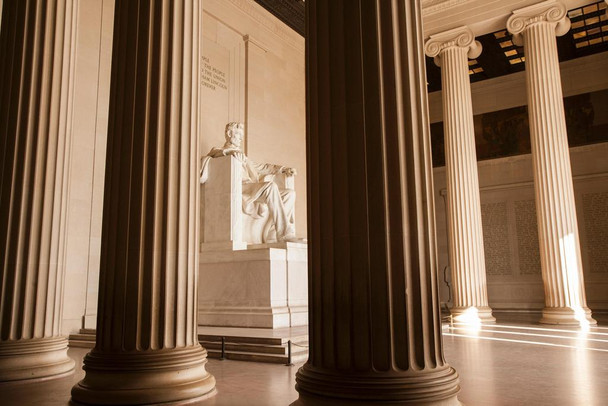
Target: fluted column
{"type": "Point", "coordinates": [35, 47]}
{"type": "Point", "coordinates": [451, 50]}
{"type": "Point", "coordinates": [536, 27]}
{"type": "Point", "coordinates": [147, 350]}
{"type": "Point", "coordinates": [375, 329]}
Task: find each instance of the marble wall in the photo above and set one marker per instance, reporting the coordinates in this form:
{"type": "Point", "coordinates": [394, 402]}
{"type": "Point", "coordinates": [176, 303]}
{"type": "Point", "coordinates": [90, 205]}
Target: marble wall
{"type": "Point", "coordinates": [507, 198]}
{"type": "Point", "coordinates": [90, 85]}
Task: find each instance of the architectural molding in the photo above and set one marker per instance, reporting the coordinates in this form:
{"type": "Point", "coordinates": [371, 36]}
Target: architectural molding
{"type": "Point", "coordinates": [529, 184]}
{"type": "Point", "coordinates": [512, 88]}
{"type": "Point", "coordinates": [291, 12]}
{"type": "Point", "coordinates": [268, 21]}
{"type": "Point", "coordinates": [434, 6]}
{"type": "Point", "coordinates": [248, 39]}
{"type": "Point", "coordinates": [461, 37]}
{"type": "Point", "coordinates": [483, 16]}
{"type": "Point", "coordinates": [550, 11]}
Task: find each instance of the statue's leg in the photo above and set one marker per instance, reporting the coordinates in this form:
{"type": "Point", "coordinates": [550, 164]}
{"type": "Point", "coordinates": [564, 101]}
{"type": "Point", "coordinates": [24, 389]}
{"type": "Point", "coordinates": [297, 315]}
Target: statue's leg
{"type": "Point", "coordinates": [270, 194]}
{"type": "Point", "coordinates": [288, 197]}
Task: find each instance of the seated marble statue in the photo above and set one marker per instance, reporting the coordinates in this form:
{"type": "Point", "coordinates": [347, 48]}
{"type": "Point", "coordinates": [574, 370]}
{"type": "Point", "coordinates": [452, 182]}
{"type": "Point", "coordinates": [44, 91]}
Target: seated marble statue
{"type": "Point", "coordinates": [261, 194]}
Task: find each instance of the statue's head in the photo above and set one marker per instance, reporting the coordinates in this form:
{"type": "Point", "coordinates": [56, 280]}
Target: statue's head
{"type": "Point", "coordinates": [234, 134]}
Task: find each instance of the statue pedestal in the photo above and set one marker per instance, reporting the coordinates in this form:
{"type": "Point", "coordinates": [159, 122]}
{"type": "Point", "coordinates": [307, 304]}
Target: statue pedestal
{"type": "Point", "coordinates": [264, 286]}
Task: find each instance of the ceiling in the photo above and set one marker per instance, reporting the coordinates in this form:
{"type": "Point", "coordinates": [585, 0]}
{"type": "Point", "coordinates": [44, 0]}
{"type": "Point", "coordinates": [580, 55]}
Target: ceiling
{"type": "Point", "coordinates": [589, 33]}
{"type": "Point", "coordinates": [291, 12]}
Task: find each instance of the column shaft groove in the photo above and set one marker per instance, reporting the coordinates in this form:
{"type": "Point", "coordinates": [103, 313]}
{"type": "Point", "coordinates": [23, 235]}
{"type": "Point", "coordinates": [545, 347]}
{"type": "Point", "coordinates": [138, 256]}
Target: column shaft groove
{"type": "Point", "coordinates": [147, 348]}
{"type": "Point", "coordinates": [35, 50]}
{"type": "Point", "coordinates": [465, 232]}
{"type": "Point", "coordinates": [562, 270]}
{"type": "Point", "coordinates": [374, 316]}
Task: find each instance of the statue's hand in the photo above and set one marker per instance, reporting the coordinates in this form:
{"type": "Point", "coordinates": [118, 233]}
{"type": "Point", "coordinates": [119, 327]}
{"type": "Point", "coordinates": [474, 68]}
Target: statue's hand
{"type": "Point", "coordinates": [238, 154]}
{"type": "Point", "coordinates": [289, 171]}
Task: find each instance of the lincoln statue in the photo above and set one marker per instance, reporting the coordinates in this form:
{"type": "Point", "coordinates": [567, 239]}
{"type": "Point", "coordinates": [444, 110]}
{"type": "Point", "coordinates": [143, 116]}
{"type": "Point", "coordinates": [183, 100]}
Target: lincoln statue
{"type": "Point", "coordinates": [261, 194]}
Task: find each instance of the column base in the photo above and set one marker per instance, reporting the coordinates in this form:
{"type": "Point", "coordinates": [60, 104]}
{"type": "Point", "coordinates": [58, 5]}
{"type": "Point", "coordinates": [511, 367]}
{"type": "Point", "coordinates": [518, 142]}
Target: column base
{"type": "Point", "coordinates": [325, 388]}
{"type": "Point", "coordinates": [34, 359]}
{"type": "Point", "coordinates": [472, 315]}
{"type": "Point", "coordinates": [171, 376]}
{"type": "Point", "coordinates": [305, 400]}
{"type": "Point", "coordinates": [567, 316]}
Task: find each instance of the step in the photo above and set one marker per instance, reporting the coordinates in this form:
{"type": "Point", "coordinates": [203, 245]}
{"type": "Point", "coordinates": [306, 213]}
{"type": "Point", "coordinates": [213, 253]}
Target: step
{"type": "Point", "coordinates": [258, 357]}
{"type": "Point", "coordinates": [258, 348]}
{"type": "Point", "coordinates": [253, 349]}
{"type": "Point", "coordinates": [253, 340]}
{"type": "Point", "coordinates": [82, 340]}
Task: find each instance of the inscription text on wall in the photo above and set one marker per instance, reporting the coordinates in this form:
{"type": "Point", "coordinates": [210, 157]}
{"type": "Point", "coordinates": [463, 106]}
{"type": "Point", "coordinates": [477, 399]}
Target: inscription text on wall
{"type": "Point", "coordinates": [211, 76]}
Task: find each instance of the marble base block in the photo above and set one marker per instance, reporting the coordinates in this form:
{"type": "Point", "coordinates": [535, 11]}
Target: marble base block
{"type": "Point", "coordinates": [264, 286]}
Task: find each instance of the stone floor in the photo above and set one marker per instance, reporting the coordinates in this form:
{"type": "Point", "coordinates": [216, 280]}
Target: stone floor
{"type": "Point", "coordinates": [514, 362]}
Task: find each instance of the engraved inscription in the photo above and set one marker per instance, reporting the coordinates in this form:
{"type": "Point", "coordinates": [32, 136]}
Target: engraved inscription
{"type": "Point", "coordinates": [595, 209]}
{"type": "Point", "coordinates": [212, 77]}
{"type": "Point", "coordinates": [527, 237]}
{"type": "Point", "coordinates": [496, 238]}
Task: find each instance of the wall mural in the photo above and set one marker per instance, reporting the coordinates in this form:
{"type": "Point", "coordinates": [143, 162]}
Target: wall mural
{"type": "Point", "coordinates": [506, 132]}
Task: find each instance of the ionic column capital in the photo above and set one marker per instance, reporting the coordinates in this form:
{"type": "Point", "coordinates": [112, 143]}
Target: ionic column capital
{"type": "Point", "coordinates": [549, 12]}
{"type": "Point", "coordinates": [460, 37]}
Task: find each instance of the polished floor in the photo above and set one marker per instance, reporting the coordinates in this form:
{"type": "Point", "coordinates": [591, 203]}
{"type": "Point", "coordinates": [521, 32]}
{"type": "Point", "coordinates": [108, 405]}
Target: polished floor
{"type": "Point", "coordinates": [514, 362]}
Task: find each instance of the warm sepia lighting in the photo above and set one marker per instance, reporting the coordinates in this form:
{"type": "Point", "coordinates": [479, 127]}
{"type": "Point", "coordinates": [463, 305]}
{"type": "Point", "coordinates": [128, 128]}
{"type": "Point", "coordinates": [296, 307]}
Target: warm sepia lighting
{"type": "Point", "coordinates": [570, 259]}
{"type": "Point", "coordinates": [520, 341]}
{"type": "Point", "coordinates": [469, 318]}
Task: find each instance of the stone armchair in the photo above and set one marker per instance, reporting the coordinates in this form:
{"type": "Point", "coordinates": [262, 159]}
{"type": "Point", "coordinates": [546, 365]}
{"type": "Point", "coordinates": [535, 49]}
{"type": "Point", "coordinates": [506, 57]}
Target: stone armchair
{"type": "Point", "coordinates": [225, 225]}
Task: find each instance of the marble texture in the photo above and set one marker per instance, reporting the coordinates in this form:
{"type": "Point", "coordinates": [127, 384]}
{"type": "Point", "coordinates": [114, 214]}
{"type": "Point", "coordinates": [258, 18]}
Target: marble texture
{"type": "Point", "coordinates": [36, 44]}
{"type": "Point", "coordinates": [451, 50]}
{"type": "Point", "coordinates": [371, 214]}
{"type": "Point", "coordinates": [565, 298]}
{"type": "Point", "coordinates": [147, 349]}
{"type": "Point", "coordinates": [245, 201]}
{"type": "Point", "coordinates": [261, 287]}
{"type": "Point", "coordinates": [88, 126]}
{"type": "Point", "coordinates": [223, 208]}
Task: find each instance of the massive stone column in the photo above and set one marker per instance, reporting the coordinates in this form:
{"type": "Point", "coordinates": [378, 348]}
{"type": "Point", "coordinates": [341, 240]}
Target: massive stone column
{"type": "Point", "coordinates": [536, 27]}
{"type": "Point", "coordinates": [451, 50]}
{"type": "Point", "coordinates": [375, 329]}
{"type": "Point", "coordinates": [147, 351]}
{"type": "Point", "coordinates": [35, 49]}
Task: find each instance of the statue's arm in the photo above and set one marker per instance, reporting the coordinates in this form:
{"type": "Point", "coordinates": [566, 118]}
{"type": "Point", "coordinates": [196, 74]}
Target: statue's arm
{"type": "Point", "coordinates": [266, 169]}
{"type": "Point", "coordinates": [220, 152]}
{"type": "Point", "coordinates": [271, 169]}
